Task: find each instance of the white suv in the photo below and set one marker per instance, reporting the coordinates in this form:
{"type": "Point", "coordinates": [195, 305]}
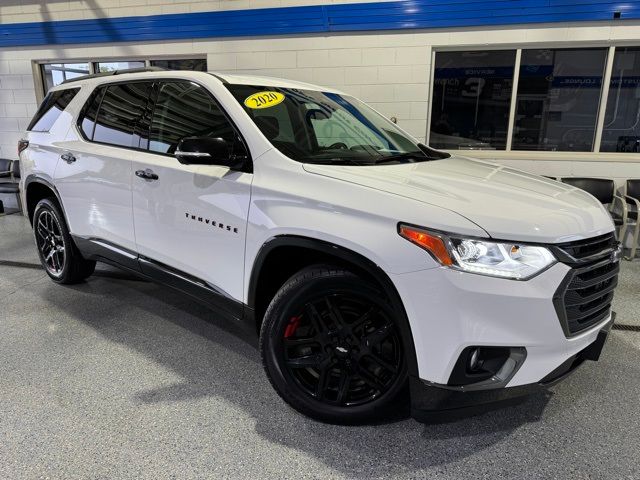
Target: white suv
{"type": "Point", "coordinates": [366, 261]}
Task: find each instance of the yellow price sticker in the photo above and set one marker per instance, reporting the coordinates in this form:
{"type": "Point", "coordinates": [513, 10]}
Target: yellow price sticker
{"type": "Point", "coordinates": [264, 100]}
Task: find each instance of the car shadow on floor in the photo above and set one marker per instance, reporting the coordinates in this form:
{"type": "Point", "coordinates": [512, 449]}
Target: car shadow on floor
{"type": "Point", "coordinates": [216, 359]}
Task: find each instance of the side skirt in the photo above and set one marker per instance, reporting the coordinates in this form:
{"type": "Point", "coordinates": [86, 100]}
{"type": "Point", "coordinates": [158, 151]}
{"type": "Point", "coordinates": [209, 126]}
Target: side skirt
{"type": "Point", "coordinates": [103, 251]}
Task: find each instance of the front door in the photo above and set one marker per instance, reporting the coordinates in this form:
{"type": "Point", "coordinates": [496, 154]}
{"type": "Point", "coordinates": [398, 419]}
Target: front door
{"type": "Point", "coordinates": [191, 218]}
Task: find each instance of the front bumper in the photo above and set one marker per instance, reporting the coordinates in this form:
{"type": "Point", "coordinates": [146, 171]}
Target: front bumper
{"type": "Point", "coordinates": [432, 402]}
{"type": "Point", "coordinates": [449, 310]}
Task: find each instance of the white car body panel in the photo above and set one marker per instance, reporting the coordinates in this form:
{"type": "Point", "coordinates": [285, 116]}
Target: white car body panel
{"type": "Point", "coordinates": [96, 189]}
{"type": "Point", "coordinates": [452, 310]}
{"type": "Point", "coordinates": [288, 201]}
{"type": "Point", "coordinates": [507, 203]}
{"type": "Point", "coordinates": [355, 207]}
{"type": "Point", "coordinates": [166, 231]}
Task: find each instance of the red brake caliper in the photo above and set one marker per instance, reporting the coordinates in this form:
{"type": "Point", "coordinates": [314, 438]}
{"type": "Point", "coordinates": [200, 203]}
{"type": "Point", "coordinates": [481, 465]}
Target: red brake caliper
{"type": "Point", "coordinates": [292, 326]}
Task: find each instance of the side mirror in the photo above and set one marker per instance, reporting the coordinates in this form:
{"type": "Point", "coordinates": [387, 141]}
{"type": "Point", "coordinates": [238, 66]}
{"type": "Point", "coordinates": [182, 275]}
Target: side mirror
{"type": "Point", "coordinates": [205, 151]}
{"type": "Point", "coordinates": [432, 152]}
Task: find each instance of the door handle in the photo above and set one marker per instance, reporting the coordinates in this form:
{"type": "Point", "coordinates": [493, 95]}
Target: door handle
{"type": "Point", "coordinates": [68, 157]}
{"type": "Point", "coordinates": [146, 174]}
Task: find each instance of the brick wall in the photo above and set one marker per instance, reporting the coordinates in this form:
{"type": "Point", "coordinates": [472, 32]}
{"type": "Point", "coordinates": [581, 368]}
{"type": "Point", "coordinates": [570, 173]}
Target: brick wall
{"type": "Point", "coordinates": [388, 71]}
{"type": "Point", "coordinates": [17, 103]}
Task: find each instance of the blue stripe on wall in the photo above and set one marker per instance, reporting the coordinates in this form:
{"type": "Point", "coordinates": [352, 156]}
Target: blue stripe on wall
{"type": "Point", "coordinates": [408, 14]}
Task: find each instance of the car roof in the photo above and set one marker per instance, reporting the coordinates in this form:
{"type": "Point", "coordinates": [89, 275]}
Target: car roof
{"type": "Point", "coordinates": [223, 78]}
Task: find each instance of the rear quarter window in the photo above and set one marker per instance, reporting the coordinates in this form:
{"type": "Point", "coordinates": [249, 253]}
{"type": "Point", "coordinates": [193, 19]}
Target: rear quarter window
{"type": "Point", "coordinates": [51, 108]}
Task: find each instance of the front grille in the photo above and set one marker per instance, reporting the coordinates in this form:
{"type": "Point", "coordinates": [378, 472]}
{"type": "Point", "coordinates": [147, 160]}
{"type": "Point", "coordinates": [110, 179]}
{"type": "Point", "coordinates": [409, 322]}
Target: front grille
{"type": "Point", "coordinates": [573, 252]}
{"type": "Point", "coordinates": [585, 295]}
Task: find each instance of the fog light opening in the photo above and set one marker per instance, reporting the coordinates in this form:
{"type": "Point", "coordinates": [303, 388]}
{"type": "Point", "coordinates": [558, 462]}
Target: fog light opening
{"type": "Point", "coordinates": [484, 366]}
{"type": "Point", "coordinates": [475, 364]}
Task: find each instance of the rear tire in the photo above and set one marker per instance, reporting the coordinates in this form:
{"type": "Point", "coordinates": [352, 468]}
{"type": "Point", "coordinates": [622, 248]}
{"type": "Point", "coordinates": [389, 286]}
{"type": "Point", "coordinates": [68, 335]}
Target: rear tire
{"type": "Point", "coordinates": [332, 348]}
{"type": "Point", "coordinates": [58, 254]}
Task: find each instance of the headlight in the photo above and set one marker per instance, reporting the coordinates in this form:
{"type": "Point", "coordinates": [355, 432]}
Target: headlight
{"type": "Point", "coordinates": [496, 259]}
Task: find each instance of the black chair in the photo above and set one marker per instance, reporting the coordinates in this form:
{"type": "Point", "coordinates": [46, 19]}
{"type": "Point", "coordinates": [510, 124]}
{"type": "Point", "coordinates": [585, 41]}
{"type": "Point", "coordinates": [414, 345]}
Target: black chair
{"type": "Point", "coordinates": [5, 168]}
{"type": "Point", "coordinates": [631, 195]}
{"type": "Point", "coordinates": [604, 189]}
{"type": "Point", "coordinates": [12, 186]}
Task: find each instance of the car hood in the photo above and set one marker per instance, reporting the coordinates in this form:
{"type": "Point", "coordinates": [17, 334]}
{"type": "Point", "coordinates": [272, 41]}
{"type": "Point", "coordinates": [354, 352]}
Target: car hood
{"type": "Point", "coordinates": [507, 203]}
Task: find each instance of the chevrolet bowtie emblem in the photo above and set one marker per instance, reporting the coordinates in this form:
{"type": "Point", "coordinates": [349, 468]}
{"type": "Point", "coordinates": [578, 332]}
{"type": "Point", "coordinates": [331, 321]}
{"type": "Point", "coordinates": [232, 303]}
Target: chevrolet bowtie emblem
{"type": "Point", "coordinates": [616, 255]}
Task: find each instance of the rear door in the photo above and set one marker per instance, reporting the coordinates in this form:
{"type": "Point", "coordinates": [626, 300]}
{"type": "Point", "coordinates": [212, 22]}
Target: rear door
{"type": "Point", "coordinates": [94, 174]}
{"type": "Point", "coordinates": [191, 218]}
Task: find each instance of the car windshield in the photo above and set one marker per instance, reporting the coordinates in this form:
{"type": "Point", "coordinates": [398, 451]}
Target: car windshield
{"type": "Point", "coordinates": [322, 127]}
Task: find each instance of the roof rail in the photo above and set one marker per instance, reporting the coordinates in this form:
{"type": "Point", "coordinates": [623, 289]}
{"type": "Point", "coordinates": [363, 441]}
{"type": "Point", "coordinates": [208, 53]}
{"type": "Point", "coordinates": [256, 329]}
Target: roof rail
{"type": "Point", "coordinates": [114, 72]}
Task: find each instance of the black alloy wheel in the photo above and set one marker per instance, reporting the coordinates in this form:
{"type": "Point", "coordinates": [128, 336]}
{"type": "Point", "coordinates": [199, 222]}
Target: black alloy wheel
{"type": "Point", "coordinates": [58, 254]}
{"type": "Point", "coordinates": [50, 242]}
{"type": "Point", "coordinates": [331, 346]}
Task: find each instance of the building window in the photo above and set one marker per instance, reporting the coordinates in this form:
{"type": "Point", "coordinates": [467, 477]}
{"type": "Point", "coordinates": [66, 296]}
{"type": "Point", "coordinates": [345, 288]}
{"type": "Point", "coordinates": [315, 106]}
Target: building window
{"type": "Point", "coordinates": [199, 64]}
{"type": "Point", "coordinates": [558, 99]}
{"type": "Point", "coordinates": [56, 73]}
{"type": "Point", "coordinates": [621, 130]}
{"type": "Point", "coordinates": [118, 65]}
{"type": "Point", "coordinates": [471, 98]}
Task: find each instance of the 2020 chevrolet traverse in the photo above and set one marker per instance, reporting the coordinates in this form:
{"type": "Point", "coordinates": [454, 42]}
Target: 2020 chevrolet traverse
{"type": "Point", "coordinates": [364, 260]}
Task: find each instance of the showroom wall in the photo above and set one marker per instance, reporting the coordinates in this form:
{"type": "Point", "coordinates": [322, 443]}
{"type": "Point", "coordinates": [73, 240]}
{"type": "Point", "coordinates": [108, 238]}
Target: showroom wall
{"type": "Point", "coordinates": [391, 70]}
{"type": "Point", "coordinates": [15, 11]}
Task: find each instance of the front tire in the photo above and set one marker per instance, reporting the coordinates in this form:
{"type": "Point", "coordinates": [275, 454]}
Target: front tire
{"type": "Point", "coordinates": [332, 348]}
{"type": "Point", "coordinates": [58, 254]}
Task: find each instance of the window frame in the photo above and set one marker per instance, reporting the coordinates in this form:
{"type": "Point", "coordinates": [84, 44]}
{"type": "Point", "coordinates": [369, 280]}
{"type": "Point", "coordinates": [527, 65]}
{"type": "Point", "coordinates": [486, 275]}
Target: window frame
{"type": "Point", "coordinates": [596, 105]}
{"type": "Point", "coordinates": [151, 105]}
{"type": "Point", "coordinates": [96, 69]}
{"type": "Point", "coordinates": [86, 104]}
{"type": "Point", "coordinates": [213, 98]}
{"type": "Point", "coordinates": [156, 92]}
{"type": "Point", "coordinates": [594, 155]}
{"type": "Point", "coordinates": [150, 99]}
{"type": "Point", "coordinates": [432, 89]}
{"type": "Point", "coordinates": [42, 78]}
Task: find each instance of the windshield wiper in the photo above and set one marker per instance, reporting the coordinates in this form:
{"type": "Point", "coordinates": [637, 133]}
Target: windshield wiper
{"type": "Point", "coordinates": [425, 154]}
{"type": "Point", "coordinates": [418, 156]}
{"type": "Point", "coordinates": [336, 161]}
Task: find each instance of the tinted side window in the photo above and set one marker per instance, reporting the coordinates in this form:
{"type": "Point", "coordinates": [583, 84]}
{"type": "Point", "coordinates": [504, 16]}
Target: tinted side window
{"type": "Point", "coordinates": [185, 109]}
{"type": "Point", "coordinates": [90, 112]}
{"type": "Point", "coordinates": [121, 108]}
{"type": "Point", "coordinates": [51, 108]}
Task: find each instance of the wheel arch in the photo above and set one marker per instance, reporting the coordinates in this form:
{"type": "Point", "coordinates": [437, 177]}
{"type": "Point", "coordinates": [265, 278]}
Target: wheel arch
{"type": "Point", "coordinates": [282, 256]}
{"type": "Point", "coordinates": [36, 188]}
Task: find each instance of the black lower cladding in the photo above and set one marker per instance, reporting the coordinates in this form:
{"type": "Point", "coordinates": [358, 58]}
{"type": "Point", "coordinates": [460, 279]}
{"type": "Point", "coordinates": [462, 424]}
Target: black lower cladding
{"type": "Point", "coordinates": [591, 352]}
{"type": "Point", "coordinates": [100, 250]}
{"type": "Point", "coordinates": [432, 403]}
